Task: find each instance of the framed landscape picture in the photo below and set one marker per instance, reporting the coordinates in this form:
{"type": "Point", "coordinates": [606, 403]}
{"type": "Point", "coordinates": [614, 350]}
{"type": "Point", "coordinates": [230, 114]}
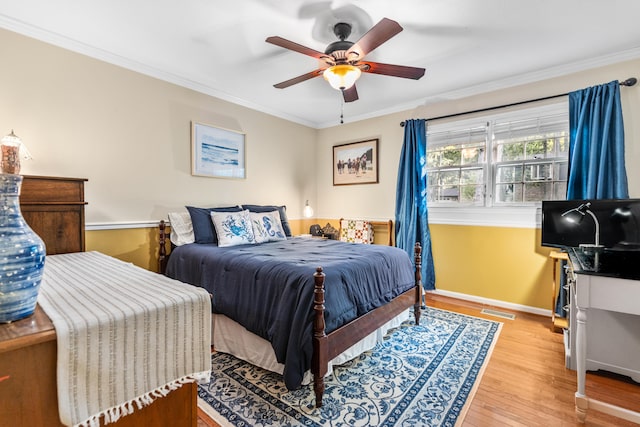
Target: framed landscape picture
{"type": "Point", "coordinates": [355, 163]}
{"type": "Point", "coordinates": [217, 152]}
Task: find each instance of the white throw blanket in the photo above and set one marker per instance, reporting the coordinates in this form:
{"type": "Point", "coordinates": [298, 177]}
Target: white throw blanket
{"type": "Point", "coordinates": [125, 335]}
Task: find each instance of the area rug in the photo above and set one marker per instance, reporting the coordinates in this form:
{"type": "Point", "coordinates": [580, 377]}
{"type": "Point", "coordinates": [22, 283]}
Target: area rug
{"type": "Point", "coordinates": [422, 375]}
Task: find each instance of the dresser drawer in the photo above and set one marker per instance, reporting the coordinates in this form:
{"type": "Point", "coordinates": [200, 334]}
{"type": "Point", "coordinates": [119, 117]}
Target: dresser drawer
{"type": "Point", "coordinates": [39, 189]}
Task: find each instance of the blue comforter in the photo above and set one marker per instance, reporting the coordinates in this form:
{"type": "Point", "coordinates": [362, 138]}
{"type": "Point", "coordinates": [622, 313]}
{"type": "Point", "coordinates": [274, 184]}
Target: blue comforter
{"type": "Point", "coordinates": [268, 288]}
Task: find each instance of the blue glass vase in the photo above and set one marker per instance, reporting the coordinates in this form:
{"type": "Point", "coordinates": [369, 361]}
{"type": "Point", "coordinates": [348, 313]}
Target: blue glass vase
{"type": "Point", "coordinates": [22, 254]}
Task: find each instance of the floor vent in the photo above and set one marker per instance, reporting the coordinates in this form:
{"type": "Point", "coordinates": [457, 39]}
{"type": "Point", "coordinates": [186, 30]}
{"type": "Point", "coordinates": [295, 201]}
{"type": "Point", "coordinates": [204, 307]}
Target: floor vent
{"type": "Point", "coordinates": [498, 313]}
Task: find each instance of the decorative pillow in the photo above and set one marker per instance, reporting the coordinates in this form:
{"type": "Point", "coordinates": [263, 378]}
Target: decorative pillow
{"type": "Point", "coordinates": [233, 228]}
{"type": "Point", "coordinates": [181, 228]}
{"type": "Point", "coordinates": [203, 230]}
{"type": "Point", "coordinates": [356, 231]}
{"type": "Point", "coordinates": [282, 210]}
{"type": "Point", "coordinates": [267, 226]}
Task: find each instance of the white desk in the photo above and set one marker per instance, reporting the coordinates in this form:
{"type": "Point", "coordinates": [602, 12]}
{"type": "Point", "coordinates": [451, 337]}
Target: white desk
{"type": "Point", "coordinates": [616, 297]}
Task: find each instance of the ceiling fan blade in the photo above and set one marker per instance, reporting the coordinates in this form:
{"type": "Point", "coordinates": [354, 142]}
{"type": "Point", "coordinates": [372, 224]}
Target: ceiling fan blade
{"type": "Point", "coordinates": [350, 94]}
{"type": "Point", "coordinates": [288, 44]}
{"type": "Point", "coordinates": [299, 79]}
{"type": "Point", "coordinates": [380, 33]}
{"type": "Point", "coordinates": [392, 70]}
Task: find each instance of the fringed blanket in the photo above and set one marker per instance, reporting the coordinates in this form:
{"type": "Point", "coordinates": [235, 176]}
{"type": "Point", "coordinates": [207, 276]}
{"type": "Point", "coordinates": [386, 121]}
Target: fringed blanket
{"type": "Point", "coordinates": [125, 335]}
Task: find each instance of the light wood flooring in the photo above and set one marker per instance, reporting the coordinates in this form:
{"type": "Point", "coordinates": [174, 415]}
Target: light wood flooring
{"type": "Point", "coordinates": [526, 382]}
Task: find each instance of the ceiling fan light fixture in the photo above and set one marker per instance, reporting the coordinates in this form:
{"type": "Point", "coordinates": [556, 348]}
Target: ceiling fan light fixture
{"type": "Point", "coordinates": [342, 76]}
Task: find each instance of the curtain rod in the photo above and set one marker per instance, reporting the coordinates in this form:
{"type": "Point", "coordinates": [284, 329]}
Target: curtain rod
{"type": "Point", "coordinates": [629, 82]}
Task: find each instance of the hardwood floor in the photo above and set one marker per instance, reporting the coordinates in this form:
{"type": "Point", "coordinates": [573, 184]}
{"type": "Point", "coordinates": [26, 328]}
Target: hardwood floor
{"type": "Point", "coordinates": [526, 382]}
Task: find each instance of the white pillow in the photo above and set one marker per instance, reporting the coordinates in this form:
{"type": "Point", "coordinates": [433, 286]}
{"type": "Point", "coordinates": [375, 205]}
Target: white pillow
{"type": "Point", "coordinates": [259, 232]}
{"type": "Point", "coordinates": [267, 226]}
{"type": "Point", "coordinates": [233, 228]}
{"type": "Point", "coordinates": [181, 228]}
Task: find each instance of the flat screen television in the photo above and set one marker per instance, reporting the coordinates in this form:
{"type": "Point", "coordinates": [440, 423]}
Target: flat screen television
{"type": "Point", "coordinates": [618, 220]}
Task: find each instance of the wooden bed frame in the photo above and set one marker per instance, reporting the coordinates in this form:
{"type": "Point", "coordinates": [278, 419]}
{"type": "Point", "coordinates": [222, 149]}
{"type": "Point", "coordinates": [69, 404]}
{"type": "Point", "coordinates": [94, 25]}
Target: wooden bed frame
{"type": "Point", "coordinates": [327, 346]}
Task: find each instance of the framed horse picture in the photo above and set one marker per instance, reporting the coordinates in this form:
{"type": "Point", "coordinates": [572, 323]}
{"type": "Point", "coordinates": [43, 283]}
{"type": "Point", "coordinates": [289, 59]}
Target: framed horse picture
{"type": "Point", "coordinates": [356, 163]}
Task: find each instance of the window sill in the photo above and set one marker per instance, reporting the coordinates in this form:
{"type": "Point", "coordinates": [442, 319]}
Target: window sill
{"type": "Point", "coordinates": [510, 217]}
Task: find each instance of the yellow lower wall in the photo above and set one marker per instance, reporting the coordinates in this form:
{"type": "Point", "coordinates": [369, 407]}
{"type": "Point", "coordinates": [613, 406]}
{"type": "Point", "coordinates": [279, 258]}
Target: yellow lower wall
{"type": "Point", "coordinates": [136, 245]}
{"type": "Point", "coordinates": [140, 245]}
{"type": "Point", "coordinates": [505, 264]}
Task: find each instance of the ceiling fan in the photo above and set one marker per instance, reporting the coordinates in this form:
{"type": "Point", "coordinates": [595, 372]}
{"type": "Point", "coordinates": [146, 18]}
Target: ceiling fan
{"type": "Point", "coordinates": [342, 62]}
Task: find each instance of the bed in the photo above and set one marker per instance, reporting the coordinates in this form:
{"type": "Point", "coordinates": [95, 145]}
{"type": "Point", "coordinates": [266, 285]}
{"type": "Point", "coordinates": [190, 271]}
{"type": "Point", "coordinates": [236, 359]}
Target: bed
{"type": "Point", "coordinates": [306, 301]}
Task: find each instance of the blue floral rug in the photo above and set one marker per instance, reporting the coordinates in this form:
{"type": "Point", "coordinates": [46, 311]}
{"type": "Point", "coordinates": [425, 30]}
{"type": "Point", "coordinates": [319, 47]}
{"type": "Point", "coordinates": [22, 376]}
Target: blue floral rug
{"type": "Point", "coordinates": [422, 375]}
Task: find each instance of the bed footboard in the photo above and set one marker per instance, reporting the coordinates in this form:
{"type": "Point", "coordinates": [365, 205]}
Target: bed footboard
{"type": "Point", "coordinates": [327, 347]}
{"type": "Point", "coordinates": [320, 360]}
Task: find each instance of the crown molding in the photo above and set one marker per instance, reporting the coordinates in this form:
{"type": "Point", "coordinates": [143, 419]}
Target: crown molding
{"type": "Point", "coordinates": [132, 65]}
{"type": "Point", "coordinates": [127, 63]}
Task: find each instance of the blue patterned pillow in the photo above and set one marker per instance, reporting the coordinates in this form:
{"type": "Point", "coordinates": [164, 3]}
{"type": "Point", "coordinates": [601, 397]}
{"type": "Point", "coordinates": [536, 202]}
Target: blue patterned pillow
{"type": "Point", "coordinates": [282, 210]}
{"type": "Point", "coordinates": [233, 228]}
{"type": "Point", "coordinates": [203, 229]}
{"type": "Point", "coordinates": [267, 226]}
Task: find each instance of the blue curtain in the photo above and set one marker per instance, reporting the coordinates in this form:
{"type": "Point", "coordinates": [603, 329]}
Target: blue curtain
{"type": "Point", "coordinates": [411, 199]}
{"type": "Point", "coordinates": [596, 150]}
{"type": "Point", "coordinates": [596, 147]}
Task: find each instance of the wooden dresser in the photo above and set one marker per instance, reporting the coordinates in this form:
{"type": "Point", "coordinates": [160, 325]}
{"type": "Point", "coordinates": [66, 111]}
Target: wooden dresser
{"type": "Point", "coordinates": [54, 208]}
{"type": "Point", "coordinates": [28, 390]}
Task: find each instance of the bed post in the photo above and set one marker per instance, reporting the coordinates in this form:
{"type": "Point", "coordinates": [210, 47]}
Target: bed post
{"type": "Point", "coordinates": [162, 250]}
{"type": "Point", "coordinates": [417, 251]}
{"type": "Point", "coordinates": [320, 358]}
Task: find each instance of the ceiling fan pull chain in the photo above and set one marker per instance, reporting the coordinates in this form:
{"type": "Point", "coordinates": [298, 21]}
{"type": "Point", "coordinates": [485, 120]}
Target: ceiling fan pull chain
{"type": "Point", "coordinates": [341, 108]}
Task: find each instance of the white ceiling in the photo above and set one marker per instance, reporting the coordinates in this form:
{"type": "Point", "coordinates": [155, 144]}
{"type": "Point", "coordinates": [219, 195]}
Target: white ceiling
{"type": "Point", "coordinates": [217, 47]}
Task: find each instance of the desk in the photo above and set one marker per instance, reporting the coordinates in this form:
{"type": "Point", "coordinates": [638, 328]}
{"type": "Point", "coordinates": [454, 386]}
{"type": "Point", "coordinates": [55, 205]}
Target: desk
{"type": "Point", "coordinates": [612, 340]}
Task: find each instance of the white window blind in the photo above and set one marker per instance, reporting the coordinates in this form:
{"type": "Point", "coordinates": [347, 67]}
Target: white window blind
{"type": "Point", "coordinates": [511, 159]}
{"type": "Point", "coordinates": [456, 165]}
{"type": "Point", "coordinates": [530, 158]}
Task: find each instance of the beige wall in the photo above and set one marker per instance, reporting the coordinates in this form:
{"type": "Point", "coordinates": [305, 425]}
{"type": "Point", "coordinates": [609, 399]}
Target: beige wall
{"type": "Point", "coordinates": [129, 135]}
{"type": "Point", "coordinates": [378, 201]}
{"type": "Point", "coordinates": [491, 263]}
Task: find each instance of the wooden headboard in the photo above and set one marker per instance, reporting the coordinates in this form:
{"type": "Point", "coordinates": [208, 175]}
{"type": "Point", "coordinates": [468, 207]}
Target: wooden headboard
{"type": "Point", "coordinates": [386, 226]}
{"type": "Point", "coordinates": [163, 257]}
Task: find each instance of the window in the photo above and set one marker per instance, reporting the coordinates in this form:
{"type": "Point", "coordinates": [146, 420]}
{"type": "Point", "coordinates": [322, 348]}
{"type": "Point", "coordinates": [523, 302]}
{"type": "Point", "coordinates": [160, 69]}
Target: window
{"type": "Point", "coordinates": [531, 159]}
{"type": "Point", "coordinates": [511, 159]}
{"type": "Point", "coordinates": [456, 163]}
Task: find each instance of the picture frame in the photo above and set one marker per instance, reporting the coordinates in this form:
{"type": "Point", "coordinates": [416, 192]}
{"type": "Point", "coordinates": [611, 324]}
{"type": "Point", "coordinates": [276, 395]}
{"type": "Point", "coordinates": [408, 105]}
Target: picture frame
{"type": "Point", "coordinates": [356, 163]}
{"type": "Point", "coordinates": [217, 152]}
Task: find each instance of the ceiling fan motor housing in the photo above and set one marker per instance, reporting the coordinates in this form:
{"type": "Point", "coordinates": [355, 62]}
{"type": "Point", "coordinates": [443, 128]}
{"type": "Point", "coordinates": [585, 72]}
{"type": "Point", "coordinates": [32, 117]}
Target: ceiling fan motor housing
{"type": "Point", "coordinates": [337, 46]}
{"type": "Point", "coordinates": [342, 30]}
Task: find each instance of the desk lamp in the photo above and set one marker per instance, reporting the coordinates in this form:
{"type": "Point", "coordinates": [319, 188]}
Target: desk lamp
{"type": "Point", "coordinates": [576, 215]}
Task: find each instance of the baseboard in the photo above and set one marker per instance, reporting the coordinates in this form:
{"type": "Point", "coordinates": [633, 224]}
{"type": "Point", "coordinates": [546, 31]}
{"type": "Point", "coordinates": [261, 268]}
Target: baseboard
{"type": "Point", "coordinates": [493, 302]}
